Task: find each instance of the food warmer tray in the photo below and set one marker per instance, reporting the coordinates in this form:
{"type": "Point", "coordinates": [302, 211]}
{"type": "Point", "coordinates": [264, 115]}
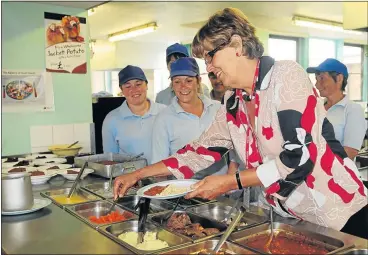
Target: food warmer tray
{"type": "Point", "coordinates": [102, 190]}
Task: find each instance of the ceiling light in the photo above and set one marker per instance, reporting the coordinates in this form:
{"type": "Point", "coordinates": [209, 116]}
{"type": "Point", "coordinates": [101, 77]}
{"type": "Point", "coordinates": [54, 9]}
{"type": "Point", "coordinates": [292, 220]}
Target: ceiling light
{"type": "Point", "coordinates": [133, 32]}
{"type": "Point", "coordinates": [322, 24]}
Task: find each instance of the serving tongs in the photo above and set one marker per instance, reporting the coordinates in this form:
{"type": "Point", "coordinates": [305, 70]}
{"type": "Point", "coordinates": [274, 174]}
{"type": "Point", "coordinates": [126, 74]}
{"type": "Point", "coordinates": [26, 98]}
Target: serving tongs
{"type": "Point", "coordinates": [115, 200]}
{"type": "Point", "coordinates": [144, 205]}
{"type": "Point", "coordinates": [228, 215]}
{"type": "Point", "coordinates": [229, 229]}
{"type": "Point", "coordinates": [268, 244]}
{"type": "Point", "coordinates": [164, 219]}
{"type": "Point", "coordinates": [77, 179]}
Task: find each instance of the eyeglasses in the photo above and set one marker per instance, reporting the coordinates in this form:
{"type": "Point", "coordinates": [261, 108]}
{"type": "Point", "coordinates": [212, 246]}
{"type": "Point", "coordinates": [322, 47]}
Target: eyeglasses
{"type": "Point", "coordinates": [209, 56]}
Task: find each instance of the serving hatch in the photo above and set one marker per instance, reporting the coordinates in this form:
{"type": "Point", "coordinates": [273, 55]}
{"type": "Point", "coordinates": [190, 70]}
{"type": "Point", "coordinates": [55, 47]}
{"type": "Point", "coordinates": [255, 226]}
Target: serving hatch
{"type": "Point", "coordinates": [109, 164]}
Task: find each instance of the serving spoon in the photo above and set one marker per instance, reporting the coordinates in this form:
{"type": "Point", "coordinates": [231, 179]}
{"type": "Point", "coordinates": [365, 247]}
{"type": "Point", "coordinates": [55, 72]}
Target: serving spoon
{"type": "Point", "coordinates": [268, 244]}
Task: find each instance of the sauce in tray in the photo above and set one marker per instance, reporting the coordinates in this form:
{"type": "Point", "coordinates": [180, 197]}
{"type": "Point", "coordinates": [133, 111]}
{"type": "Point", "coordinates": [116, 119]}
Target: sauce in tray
{"type": "Point", "coordinates": [285, 244]}
{"type": "Point", "coordinates": [74, 199]}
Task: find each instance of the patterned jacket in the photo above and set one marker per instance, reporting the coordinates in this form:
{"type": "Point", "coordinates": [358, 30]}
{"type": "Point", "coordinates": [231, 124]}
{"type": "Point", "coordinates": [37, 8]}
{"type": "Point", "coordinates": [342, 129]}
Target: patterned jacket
{"type": "Point", "coordinates": [303, 168]}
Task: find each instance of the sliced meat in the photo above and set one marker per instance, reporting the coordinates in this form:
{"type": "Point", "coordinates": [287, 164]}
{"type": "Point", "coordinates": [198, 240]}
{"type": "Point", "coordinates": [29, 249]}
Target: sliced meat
{"type": "Point", "coordinates": [178, 221]}
{"type": "Point", "coordinates": [51, 162]}
{"type": "Point", "coordinates": [155, 190]}
{"type": "Point", "coordinates": [210, 231]}
{"type": "Point", "coordinates": [53, 167]}
{"type": "Point", "coordinates": [37, 173]}
{"type": "Point", "coordinates": [40, 157]}
{"type": "Point", "coordinates": [72, 172]}
{"type": "Point", "coordinates": [11, 160]}
{"type": "Point", "coordinates": [17, 170]}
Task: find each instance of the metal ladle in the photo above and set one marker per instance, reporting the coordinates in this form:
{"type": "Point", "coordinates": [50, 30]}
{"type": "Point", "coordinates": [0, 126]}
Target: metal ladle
{"type": "Point", "coordinates": [268, 244]}
{"type": "Point", "coordinates": [230, 229]}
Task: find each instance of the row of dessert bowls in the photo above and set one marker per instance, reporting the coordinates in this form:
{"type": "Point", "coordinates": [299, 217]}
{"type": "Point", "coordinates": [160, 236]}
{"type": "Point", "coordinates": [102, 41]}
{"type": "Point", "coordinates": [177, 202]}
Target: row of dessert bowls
{"type": "Point", "coordinates": [203, 215]}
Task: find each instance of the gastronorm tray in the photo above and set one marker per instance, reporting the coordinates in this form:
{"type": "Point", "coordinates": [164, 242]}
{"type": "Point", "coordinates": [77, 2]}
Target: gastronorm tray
{"type": "Point", "coordinates": [219, 211]}
{"type": "Point", "coordinates": [187, 203]}
{"type": "Point", "coordinates": [357, 252]}
{"type": "Point", "coordinates": [114, 230]}
{"type": "Point", "coordinates": [102, 190]}
{"type": "Point", "coordinates": [156, 206]}
{"type": "Point", "coordinates": [194, 218]}
{"type": "Point", "coordinates": [208, 245]}
{"type": "Point", "coordinates": [292, 232]}
{"type": "Point", "coordinates": [88, 196]}
{"type": "Point", "coordinates": [96, 208]}
{"type": "Point", "coordinates": [126, 164]}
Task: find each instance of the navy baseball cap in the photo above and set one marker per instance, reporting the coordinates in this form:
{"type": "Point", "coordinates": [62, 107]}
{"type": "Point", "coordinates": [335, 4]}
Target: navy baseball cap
{"type": "Point", "coordinates": [185, 67]}
{"type": "Point", "coordinates": [330, 65]}
{"type": "Point", "coordinates": [131, 73]}
{"type": "Point", "coordinates": [177, 48]}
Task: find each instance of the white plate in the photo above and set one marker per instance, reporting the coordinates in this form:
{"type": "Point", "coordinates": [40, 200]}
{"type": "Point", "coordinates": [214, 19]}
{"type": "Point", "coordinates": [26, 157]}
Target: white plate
{"type": "Point", "coordinates": [5, 170]}
{"type": "Point", "coordinates": [180, 183]}
{"type": "Point", "coordinates": [61, 166]}
{"type": "Point", "coordinates": [39, 203]}
{"type": "Point", "coordinates": [72, 177]}
{"type": "Point", "coordinates": [34, 156]}
{"type": "Point", "coordinates": [43, 161]}
{"type": "Point", "coordinates": [11, 164]}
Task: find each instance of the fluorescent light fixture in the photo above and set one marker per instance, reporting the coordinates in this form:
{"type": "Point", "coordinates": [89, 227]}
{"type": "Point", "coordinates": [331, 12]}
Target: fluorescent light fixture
{"type": "Point", "coordinates": [91, 11]}
{"type": "Point", "coordinates": [322, 24]}
{"type": "Point", "coordinates": [133, 32]}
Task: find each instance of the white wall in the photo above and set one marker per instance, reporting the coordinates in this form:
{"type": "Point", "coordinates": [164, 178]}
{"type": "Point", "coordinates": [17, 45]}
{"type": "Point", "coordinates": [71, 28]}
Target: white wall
{"type": "Point", "coordinates": [104, 56]}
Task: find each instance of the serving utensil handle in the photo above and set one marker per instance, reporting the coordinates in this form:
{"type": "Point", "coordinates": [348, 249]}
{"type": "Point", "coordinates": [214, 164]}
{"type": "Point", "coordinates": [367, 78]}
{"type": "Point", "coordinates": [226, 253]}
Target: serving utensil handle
{"type": "Point", "coordinates": [77, 179]}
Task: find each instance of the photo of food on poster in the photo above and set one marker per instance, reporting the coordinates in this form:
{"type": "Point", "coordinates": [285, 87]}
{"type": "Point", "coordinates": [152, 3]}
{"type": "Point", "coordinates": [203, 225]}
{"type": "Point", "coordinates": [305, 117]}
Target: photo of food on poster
{"type": "Point", "coordinates": [26, 90]}
{"type": "Point", "coordinates": [65, 48]}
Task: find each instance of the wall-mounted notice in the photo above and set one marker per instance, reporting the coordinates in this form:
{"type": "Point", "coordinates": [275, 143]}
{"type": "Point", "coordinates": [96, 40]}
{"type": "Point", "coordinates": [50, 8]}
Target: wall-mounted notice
{"type": "Point", "coordinates": [26, 91]}
{"type": "Point", "coordinates": [65, 50]}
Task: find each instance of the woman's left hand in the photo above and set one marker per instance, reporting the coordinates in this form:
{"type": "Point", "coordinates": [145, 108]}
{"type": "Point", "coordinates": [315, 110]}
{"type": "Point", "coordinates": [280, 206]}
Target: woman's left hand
{"type": "Point", "coordinates": [213, 186]}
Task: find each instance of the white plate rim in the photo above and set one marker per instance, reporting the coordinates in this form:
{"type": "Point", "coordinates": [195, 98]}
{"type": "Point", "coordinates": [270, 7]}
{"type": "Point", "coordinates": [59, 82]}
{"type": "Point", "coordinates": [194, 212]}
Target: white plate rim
{"type": "Point", "coordinates": [141, 191]}
{"type": "Point", "coordinates": [43, 161]}
{"type": "Point", "coordinates": [34, 156]}
{"type": "Point", "coordinates": [46, 202]}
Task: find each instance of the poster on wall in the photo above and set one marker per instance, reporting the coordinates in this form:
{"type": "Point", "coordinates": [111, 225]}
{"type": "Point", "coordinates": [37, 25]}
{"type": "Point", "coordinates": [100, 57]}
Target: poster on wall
{"type": "Point", "coordinates": [26, 91]}
{"type": "Point", "coordinates": [65, 50]}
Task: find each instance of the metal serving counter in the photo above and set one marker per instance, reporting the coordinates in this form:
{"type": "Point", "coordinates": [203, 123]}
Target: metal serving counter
{"type": "Point", "coordinates": [54, 230]}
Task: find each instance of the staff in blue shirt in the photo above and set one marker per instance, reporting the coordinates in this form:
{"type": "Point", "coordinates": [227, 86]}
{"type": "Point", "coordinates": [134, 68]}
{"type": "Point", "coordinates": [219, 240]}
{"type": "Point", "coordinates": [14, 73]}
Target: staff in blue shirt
{"type": "Point", "coordinates": [128, 128]}
{"type": "Point", "coordinates": [174, 52]}
{"type": "Point", "coordinates": [346, 117]}
{"type": "Point", "coordinates": [187, 117]}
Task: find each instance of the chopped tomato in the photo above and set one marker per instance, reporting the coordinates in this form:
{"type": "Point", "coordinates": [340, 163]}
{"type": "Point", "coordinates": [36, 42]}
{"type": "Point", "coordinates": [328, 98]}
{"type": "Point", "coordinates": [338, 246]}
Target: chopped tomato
{"type": "Point", "coordinates": [114, 216]}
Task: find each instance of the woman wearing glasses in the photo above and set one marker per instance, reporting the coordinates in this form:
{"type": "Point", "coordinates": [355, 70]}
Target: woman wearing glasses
{"type": "Point", "coordinates": [128, 128]}
{"type": "Point", "coordinates": [278, 127]}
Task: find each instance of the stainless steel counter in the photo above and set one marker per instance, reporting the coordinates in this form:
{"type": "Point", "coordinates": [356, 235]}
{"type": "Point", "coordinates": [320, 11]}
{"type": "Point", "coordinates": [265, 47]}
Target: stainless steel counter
{"type": "Point", "coordinates": [53, 230]}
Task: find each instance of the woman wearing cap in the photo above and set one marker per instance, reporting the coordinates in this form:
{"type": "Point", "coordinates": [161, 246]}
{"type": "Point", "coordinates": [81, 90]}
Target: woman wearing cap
{"type": "Point", "coordinates": [189, 109]}
{"type": "Point", "coordinates": [277, 126]}
{"type": "Point", "coordinates": [346, 117]}
{"type": "Point", "coordinates": [128, 128]}
{"type": "Point", "coordinates": [173, 53]}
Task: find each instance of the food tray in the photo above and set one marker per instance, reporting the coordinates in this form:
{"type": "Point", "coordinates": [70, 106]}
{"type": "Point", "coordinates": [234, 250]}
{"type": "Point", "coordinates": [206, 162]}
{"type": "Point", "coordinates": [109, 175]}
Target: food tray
{"type": "Point", "coordinates": [156, 206]}
{"type": "Point", "coordinates": [187, 203]}
{"type": "Point", "coordinates": [194, 218]}
{"type": "Point", "coordinates": [127, 165]}
{"type": "Point", "coordinates": [114, 230]}
{"type": "Point", "coordinates": [96, 208]}
{"type": "Point", "coordinates": [102, 190]}
{"type": "Point", "coordinates": [208, 245]}
{"type": "Point", "coordinates": [357, 252]}
{"type": "Point", "coordinates": [88, 196]}
{"type": "Point", "coordinates": [218, 211]}
{"type": "Point", "coordinates": [292, 232]}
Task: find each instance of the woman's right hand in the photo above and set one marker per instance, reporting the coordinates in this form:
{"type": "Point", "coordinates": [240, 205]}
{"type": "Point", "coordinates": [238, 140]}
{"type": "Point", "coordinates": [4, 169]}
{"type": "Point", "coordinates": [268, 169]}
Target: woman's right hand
{"type": "Point", "coordinates": [126, 181]}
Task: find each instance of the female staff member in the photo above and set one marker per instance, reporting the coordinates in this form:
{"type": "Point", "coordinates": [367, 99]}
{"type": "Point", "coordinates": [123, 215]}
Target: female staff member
{"type": "Point", "coordinates": [277, 126]}
{"type": "Point", "coordinates": [187, 110]}
{"type": "Point", "coordinates": [346, 117]}
{"type": "Point", "coordinates": [128, 128]}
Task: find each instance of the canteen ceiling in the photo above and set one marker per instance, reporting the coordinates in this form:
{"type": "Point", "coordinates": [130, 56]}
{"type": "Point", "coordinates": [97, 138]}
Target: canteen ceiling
{"type": "Point", "coordinates": [179, 21]}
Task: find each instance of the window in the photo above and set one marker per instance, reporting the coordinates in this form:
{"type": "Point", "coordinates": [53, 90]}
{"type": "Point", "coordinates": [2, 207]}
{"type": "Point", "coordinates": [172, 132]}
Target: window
{"type": "Point", "coordinates": [283, 48]}
{"type": "Point", "coordinates": [353, 59]}
{"type": "Point", "coordinates": [319, 51]}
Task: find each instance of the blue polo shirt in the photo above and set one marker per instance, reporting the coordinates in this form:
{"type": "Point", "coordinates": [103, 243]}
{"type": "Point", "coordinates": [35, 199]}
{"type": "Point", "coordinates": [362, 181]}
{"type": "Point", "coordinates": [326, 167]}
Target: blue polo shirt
{"type": "Point", "coordinates": [174, 128]}
{"type": "Point", "coordinates": [127, 133]}
{"type": "Point", "coordinates": [347, 119]}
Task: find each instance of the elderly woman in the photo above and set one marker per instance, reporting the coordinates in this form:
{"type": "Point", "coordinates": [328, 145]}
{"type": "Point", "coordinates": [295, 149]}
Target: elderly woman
{"type": "Point", "coordinates": [128, 128]}
{"type": "Point", "coordinates": [278, 127]}
{"type": "Point", "coordinates": [188, 109]}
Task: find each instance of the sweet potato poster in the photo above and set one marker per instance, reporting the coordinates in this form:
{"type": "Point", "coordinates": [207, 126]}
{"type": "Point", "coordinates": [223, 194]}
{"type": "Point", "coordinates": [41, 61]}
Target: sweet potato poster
{"type": "Point", "coordinates": [65, 43]}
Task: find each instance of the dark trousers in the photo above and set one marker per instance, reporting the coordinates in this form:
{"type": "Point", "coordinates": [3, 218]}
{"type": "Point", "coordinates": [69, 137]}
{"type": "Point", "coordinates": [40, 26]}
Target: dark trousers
{"type": "Point", "coordinates": [357, 225]}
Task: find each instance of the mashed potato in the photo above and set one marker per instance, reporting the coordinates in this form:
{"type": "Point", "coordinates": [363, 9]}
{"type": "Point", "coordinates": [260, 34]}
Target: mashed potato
{"type": "Point", "coordinates": [150, 241]}
{"type": "Point", "coordinates": [173, 190]}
